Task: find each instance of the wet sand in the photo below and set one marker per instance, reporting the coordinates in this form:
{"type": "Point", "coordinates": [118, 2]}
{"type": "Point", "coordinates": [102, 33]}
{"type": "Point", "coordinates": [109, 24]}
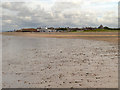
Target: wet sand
{"type": "Point", "coordinates": [37, 62]}
{"type": "Point", "coordinates": [111, 37]}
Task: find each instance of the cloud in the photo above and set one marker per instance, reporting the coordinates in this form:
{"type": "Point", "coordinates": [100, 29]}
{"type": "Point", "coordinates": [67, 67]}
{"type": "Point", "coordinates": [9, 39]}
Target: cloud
{"type": "Point", "coordinates": [18, 15]}
{"type": "Point", "coordinates": [13, 6]}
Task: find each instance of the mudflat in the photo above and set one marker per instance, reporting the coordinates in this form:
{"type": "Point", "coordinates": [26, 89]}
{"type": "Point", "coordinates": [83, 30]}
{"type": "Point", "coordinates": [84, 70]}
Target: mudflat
{"type": "Point", "coordinates": [111, 37]}
{"type": "Point", "coordinates": [33, 61]}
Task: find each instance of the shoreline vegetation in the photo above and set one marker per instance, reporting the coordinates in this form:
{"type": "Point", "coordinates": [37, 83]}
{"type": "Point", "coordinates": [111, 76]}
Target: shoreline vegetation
{"type": "Point", "coordinates": [68, 29]}
{"type": "Point", "coordinates": [103, 30]}
{"type": "Point", "coordinates": [89, 30]}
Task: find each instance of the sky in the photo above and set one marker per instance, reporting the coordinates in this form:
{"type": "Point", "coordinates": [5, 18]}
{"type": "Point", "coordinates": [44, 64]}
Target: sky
{"type": "Point", "coordinates": [17, 14]}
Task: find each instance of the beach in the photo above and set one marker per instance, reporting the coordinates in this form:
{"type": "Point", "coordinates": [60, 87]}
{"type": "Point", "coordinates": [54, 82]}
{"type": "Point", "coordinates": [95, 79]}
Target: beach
{"type": "Point", "coordinates": [44, 62]}
{"type": "Point", "coordinates": [111, 37]}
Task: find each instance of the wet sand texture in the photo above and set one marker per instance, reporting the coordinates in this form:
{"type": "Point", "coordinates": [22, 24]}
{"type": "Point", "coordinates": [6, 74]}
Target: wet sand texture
{"type": "Point", "coordinates": [31, 62]}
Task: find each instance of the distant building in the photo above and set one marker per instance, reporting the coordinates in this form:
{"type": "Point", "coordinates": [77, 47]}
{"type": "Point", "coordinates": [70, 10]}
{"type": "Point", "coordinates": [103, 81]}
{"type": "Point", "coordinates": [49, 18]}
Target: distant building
{"type": "Point", "coordinates": [38, 29]}
{"type": "Point", "coordinates": [101, 27]}
{"type": "Point", "coordinates": [29, 30]}
{"type": "Point", "coordinates": [42, 29]}
{"type": "Point", "coordinates": [45, 29]}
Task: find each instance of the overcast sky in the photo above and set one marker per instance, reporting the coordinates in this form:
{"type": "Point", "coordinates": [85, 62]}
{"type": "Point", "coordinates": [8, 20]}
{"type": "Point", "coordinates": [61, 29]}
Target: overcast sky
{"type": "Point", "coordinates": [58, 13]}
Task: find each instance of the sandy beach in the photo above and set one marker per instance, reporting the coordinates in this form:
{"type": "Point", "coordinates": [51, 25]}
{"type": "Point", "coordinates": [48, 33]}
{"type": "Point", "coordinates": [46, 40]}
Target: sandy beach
{"type": "Point", "coordinates": [111, 37]}
{"type": "Point", "coordinates": [43, 62]}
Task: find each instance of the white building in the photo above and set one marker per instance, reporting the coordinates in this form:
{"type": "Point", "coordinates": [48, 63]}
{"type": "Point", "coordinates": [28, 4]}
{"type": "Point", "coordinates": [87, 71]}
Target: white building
{"type": "Point", "coordinates": [44, 29]}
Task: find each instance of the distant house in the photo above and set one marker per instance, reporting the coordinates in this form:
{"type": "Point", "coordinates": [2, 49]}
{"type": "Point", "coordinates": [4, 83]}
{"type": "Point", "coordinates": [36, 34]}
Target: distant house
{"type": "Point", "coordinates": [29, 30]}
{"type": "Point", "coordinates": [38, 29]}
{"type": "Point", "coordinates": [42, 29]}
{"type": "Point", "coordinates": [45, 29]}
{"type": "Point", "coordinates": [52, 29]}
{"type": "Point", "coordinates": [101, 27]}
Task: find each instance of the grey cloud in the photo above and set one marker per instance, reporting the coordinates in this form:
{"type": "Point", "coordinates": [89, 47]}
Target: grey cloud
{"type": "Point", "coordinates": [61, 14]}
{"type": "Point", "coordinates": [59, 7]}
{"type": "Point", "coordinates": [13, 5]}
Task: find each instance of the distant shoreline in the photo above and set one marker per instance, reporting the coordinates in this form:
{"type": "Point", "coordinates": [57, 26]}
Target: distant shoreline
{"type": "Point", "coordinates": [111, 37]}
